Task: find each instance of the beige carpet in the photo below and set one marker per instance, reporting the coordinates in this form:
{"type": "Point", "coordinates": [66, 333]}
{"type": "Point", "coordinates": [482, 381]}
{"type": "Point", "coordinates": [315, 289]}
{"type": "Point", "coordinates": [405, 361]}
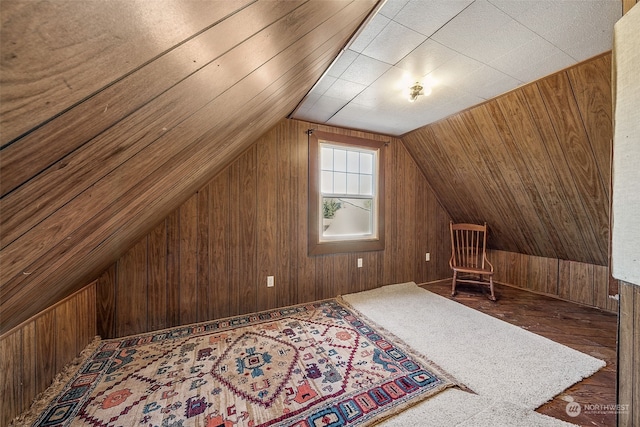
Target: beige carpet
{"type": "Point", "coordinates": [513, 371]}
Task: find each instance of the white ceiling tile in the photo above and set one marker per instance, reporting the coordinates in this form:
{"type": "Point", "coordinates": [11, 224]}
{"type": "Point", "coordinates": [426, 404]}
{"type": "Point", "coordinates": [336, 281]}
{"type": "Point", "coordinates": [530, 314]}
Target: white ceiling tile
{"type": "Point", "coordinates": [322, 85]}
{"type": "Point", "coordinates": [306, 104]}
{"type": "Point", "coordinates": [393, 43]}
{"type": "Point", "coordinates": [443, 102]}
{"type": "Point", "coordinates": [346, 58]}
{"type": "Point", "coordinates": [459, 102]}
{"type": "Point", "coordinates": [570, 25]}
{"type": "Point", "coordinates": [369, 32]}
{"type": "Point", "coordinates": [516, 9]}
{"type": "Point", "coordinates": [483, 32]}
{"type": "Point", "coordinates": [427, 19]}
{"type": "Point", "coordinates": [362, 117]}
{"type": "Point", "coordinates": [426, 58]}
{"type": "Point", "coordinates": [475, 22]}
{"type": "Point", "coordinates": [387, 90]}
{"type": "Point", "coordinates": [594, 42]}
{"type": "Point", "coordinates": [452, 72]}
{"type": "Point", "coordinates": [343, 89]}
{"type": "Point", "coordinates": [511, 36]}
{"type": "Point", "coordinates": [323, 109]}
{"type": "Point", "coordinates": [365, 70]}
{"type": "Point", "coordinates": [392, 7]}
{"type": "Point", "coordinates": [487, 82]}
{"type": "Point", "coordinates": [533, 60]}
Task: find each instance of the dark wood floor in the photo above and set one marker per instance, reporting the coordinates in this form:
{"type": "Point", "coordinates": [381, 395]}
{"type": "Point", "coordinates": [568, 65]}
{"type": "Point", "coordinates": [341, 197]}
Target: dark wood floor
{"type": "Point", "coordinates": [588, 330]}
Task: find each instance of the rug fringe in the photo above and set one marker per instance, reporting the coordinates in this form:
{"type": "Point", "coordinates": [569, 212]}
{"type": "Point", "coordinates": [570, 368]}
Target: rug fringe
{"type": "Point", "coordinates": [43, 399]}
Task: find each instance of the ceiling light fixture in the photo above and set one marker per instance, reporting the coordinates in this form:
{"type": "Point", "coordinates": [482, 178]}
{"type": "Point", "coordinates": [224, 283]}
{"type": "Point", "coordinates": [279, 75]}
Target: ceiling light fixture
{"type": "Point", "coordinates": [416, 90]}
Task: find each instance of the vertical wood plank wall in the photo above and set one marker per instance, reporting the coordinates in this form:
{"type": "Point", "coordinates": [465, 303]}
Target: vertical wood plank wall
{"type": "Point", "coordinates": [629, 355]}
{"type": "Point", "coordinates": [34, 352]}
{"type": "Point", "coordinates": [573, 281]}
{"type": "Point", "coordinates": [210, 258]}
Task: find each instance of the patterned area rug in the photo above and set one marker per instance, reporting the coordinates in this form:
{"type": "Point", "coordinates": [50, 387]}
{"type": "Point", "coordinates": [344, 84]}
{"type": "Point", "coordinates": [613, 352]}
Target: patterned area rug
{"type": "Point", "coordinates": [320, 364]}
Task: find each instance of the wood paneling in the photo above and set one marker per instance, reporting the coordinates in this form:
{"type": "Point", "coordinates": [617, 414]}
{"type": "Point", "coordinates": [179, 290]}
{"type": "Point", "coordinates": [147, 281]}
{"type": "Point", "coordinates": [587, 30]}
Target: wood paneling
{"type": "Point", "coordinates": [67, 68]}
{"type": "Point", "coordinates": [122, 133]}
{"type": "Point", "coordinates": [35, 351]}
{"type": "Point", "coordinates": [629, 355]}
{"type": "Point", "coordinates": [534, 163]}
{"type": "Point", "coordinates": [251, 222]}
{"type": "Point", "coordinates": [573, 281]}
{"type": "Point", "coordinates": [627, 5]}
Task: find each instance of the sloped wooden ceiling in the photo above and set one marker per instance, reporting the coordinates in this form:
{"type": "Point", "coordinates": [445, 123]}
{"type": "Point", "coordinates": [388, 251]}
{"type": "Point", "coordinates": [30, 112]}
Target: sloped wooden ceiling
{"type": "Point", "coordinates": [113, 112]}
{"type": "Point", "coordinates": [533, 163]}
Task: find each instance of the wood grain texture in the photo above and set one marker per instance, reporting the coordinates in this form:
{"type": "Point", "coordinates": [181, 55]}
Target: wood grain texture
{"type": "Point", "coordinates": [256, 226]}
{"type": "Point", "coordinates": [79, 207]}
{"type": "Point", "coordinates": [157, 277]}
{"type": "Point", "coordinates": [38, 349]}
{"type": "Point", "coordinates": [583, 174]}
{"type": "Point", "coordinates": [577, 282]}
{"type": "Point", "coordinates": [629, 355]}
{"type": "Point", "coordinates": [188, 214]}
{"type": "Point", "coordinates": [534, 163]}
{"type": "Point", "coordinates": [627, 5]}
{"type": "Point", "coordinates": [11, 371]}
{"type": "Point", "coordinates": [68, 68]}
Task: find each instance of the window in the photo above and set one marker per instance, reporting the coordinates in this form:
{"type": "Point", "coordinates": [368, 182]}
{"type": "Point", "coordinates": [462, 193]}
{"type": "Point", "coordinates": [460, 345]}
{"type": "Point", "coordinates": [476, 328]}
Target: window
{"type": "Point", "coordinates": [346, 194]}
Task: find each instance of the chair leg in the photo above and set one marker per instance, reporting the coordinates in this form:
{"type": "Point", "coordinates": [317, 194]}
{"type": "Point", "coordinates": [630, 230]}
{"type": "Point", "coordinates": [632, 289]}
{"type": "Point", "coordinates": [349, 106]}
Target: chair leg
{"type": "Point", "coordinates": [453, 285]}
{"type": "Point", "coordinates": [492, 297]}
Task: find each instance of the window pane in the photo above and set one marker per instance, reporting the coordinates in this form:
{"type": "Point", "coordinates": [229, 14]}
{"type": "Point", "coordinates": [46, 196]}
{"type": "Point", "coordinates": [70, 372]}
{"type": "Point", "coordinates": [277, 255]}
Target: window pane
{"type": "Point", "coordinates": [348, 217]}
{"type": "Point", "coordinates": [366, 163]}
{"type": "Point", "coordinates": [353, 183]}
{"type": "Point", "coordinates": [366, 185]}
{"type": "Point", "coordinates": [326, 155]}
{"type": "Point", "coordinates": [340, 183]}
{"type": "Point", "coordinates": [340, 160]}
{"type": "Point", "coordinates": [327, 182]}
{"type": "Point", "coordinates": [353, 161]}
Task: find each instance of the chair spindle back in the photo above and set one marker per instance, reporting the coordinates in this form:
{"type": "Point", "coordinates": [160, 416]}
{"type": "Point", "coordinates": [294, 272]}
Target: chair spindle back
{"type": "Point", "coordinates": [468, 245]}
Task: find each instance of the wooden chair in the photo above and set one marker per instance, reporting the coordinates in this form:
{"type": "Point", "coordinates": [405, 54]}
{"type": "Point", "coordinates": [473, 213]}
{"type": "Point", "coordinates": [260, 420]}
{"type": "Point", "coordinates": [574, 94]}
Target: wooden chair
{"type": "Point", "coordinates": [469, 256]}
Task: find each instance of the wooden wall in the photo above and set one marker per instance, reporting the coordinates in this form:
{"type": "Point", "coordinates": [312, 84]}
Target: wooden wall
{"type": "Point", "coordinates": [210, 257]}
{"type": "Point", "coordinates": [629, 355]}
{"type": "Point", "coordinates": [33, 353]}
{"type": "Point", "coordinates": [112, 116]}
{"type": "Point", "coordinates": [534, 163]}
{"type": "Point", "coordinates": [574, 281]}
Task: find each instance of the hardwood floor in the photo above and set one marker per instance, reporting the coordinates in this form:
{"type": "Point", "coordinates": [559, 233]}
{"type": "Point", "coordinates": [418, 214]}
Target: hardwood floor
{"type": "Point", "coordinates": [585, 329]}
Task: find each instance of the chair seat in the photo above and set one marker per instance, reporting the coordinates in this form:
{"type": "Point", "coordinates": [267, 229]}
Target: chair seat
{"type": "Point", "coordinates": [471, 270]}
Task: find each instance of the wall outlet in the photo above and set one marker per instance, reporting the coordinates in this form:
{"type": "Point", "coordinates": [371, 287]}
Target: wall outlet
{"type": "Point", "coordinates": [427, 257]}
{"type": "Point", "coordinates": [270, 281]}
{"type": "Point", "coordinates": [359, 262]}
